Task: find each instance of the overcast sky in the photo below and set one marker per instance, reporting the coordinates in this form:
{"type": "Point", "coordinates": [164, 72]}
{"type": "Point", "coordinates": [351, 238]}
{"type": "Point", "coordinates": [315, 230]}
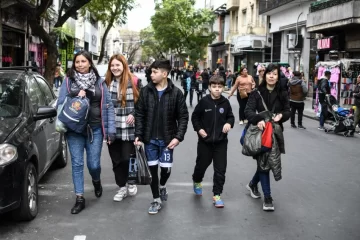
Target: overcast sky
{"type": "Point", "coordinates": [139, 17]}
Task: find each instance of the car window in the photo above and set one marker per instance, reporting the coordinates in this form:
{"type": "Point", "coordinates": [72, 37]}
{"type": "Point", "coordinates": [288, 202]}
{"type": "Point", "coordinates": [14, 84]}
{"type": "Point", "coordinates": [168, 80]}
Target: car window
{"type": "Point", "coordinates": [49, 97]}
{"type": "Point", "coordinates": [11, 93]}
{"type": "Point", "coordinates": [37, 98]}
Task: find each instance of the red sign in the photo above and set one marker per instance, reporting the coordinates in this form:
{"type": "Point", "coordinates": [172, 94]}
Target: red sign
{"type": "Point", "coordinates": [324, 43]}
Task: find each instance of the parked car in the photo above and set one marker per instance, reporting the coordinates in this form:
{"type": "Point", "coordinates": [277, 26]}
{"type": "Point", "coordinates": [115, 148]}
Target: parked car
{"type": "Point", "coordinates": [29, 144]}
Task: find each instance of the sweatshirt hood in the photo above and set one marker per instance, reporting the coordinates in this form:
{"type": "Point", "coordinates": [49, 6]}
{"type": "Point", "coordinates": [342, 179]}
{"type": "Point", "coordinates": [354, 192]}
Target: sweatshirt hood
{"type": "Point", "coordinates": [295, 81]}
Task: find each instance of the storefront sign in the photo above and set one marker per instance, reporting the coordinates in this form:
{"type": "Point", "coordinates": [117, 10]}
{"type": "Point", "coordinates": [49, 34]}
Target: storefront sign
{"type": "Point", "coordinates": [70, 50]}
{"type": "Point", "coordinates": [324, 43]}
{"type": "Point", "coordinates": [63, 57]}
{"type": "Point", "coordinates": [7, 59]}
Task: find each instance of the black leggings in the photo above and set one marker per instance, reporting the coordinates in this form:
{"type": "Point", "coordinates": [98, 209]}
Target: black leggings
{"type": "Point", "coordinates": [164, 176]}
{"type": "Point", "coordinates": [191, 95]}
{"type": "Point", "coordinates": [242, 105]}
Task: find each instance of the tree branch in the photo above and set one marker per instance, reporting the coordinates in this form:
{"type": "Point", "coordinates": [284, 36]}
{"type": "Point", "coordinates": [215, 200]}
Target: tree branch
{"type": "Point", "coordinates": [70, 12]}
{"type": "Point", "coordinates": [44, 5]}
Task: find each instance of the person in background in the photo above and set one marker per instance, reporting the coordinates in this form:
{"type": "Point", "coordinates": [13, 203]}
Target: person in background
{"type": "Point", "coordinates": [243, 85]}
{"type": "Point", "coordinates": [323, 89]}
{"type": "Point", "coordinates": [205, 79]}
{"type": "Point", "coordinates": [84, 81]}
{"type": "Point", "coordinates": [259, 78]}
{"type": "Point", "coordinates": [277, 101]}
{"type": "Point", "coordinates": [172, 74]}
{"type": "Point", "coordinates": [59, 74]}
{"type": "Point", "coordinates": [229, 79]}
{"type": "Point", "coordinates": [161, 123]}
{"type": "Point", "coordinates": [124, 90]}
{"type": "Point", "coordinates": [189, 83]}
{"type": "Point", "coordinates": [357, 102]}
{"type": "Point", "coordinates": [212, 119]}
{"type": "Point", "coordinates": [298, 92]}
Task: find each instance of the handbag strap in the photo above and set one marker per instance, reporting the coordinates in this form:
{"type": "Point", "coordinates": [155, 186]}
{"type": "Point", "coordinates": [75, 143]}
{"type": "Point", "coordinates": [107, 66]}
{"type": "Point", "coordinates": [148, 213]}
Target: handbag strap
{"type": "Point", "coordinates": [263, 102]}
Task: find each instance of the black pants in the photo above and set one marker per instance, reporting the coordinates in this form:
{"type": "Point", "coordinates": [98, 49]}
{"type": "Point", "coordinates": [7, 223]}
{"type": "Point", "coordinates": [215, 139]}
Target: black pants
{"type": "Point", "coordinates": [120, 152]}
{"type": "Point", "coordinates": [164, 176]}
{"type": "Point", "coordinates": [299, 107]}
{"type": "Point", "coordinates": [207, 153]}
{"type": "Point", "coordinates": [242, 105]}
{"type": "Point", "coordinates": [191, 95]}
{"type": "Point", "coordinates": [199, 95]}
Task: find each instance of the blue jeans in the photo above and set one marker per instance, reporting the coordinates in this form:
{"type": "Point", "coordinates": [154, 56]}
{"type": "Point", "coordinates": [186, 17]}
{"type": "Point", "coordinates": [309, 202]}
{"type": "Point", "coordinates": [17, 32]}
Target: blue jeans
{"type": "Point", "coordinates": [228, 82]}
{"type": "Point", "coordinates": [264, 179]}
{"type": "Point", "coordinates": [57, 81]}
{"type": "Point", "coordinates": [77, 143]}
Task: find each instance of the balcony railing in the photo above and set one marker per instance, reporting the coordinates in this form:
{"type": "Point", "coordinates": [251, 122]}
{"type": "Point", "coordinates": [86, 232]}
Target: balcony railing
{"type": "Point", "coordinates": [268, 5]}
{"type": "Point", "coordinates": [320, 5]}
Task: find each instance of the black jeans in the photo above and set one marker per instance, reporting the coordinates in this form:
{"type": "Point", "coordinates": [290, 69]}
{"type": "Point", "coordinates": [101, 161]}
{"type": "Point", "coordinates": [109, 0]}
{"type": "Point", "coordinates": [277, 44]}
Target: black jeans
{"type": "Point", "coordinates": [199, 95]}
{"type": "Point", "coordinates": [299, 107]}
{"type": "Point", "coordinates": [207, 153]}
{"type": "Point", "coordinates": [164, 176]}
{"type": "Point", "coordinates": [242, 104]}
{"type": "Point", "coordinates": [120, 152]}
{"type": "Point", "coordinates": [191, 95]}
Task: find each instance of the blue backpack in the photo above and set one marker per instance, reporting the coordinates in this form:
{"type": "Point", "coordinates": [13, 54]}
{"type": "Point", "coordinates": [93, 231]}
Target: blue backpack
{"type": "Point", "coordinates": [74, 114]}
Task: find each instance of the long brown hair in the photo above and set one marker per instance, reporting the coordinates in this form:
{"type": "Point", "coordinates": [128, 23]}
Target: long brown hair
{"type": "Point", "coordinates": [125, 76]}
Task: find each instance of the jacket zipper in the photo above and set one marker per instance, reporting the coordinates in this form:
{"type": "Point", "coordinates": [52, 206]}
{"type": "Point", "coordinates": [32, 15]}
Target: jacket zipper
{"type": "Point", "coordinates": [214, 124]}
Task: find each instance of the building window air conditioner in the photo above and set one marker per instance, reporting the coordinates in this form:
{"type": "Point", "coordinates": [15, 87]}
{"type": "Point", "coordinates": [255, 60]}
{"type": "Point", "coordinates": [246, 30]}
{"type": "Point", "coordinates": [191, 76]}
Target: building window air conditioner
{"type": "Point", "coordinates": [257, 44]}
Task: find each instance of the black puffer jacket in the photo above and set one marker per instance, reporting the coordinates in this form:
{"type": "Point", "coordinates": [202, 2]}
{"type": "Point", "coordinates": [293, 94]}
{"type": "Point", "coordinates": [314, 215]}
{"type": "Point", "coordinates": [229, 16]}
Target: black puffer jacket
{"type": "Point", "coordinates": [175, 118]}
{"type": "Point", "coordinates": [277, 97]}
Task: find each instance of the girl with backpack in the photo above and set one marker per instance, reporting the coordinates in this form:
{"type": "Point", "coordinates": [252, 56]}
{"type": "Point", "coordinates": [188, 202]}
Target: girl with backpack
{"type": "Point", "coordinates": [83, 81]}
{"type": "Point", "coordinates": [124, 90]}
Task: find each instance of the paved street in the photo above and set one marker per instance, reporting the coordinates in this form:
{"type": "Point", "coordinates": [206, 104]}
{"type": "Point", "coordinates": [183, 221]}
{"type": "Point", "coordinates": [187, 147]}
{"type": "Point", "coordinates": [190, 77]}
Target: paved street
{"type": "Point", "coordinates": [318, 197]}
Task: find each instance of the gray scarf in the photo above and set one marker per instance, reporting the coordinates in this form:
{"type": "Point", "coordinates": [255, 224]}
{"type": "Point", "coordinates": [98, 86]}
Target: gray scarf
{"type": "Point", "coordinates": [86, 81]}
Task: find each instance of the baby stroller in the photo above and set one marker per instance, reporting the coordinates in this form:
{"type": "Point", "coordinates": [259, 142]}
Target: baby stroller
{"type": "Point", "coordinates": [342, 119]}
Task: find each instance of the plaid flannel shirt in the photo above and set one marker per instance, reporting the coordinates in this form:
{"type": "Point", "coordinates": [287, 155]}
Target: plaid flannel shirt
{"type": "Point", "coordinates": [124, 131]}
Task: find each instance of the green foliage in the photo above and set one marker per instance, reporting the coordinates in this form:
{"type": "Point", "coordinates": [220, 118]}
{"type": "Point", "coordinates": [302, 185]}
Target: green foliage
{"type": "Point", "coordinates": [64, 31]}
{"type": "Point", "coordinates": [151, 47]}
{"type": "Point", "coordinates": [181, 28]}
{"type": "Point", "coordinates": [109, 11]}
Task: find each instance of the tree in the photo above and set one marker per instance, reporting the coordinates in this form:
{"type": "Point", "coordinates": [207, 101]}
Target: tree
{"type": "Point", "coordinates": [132, 43]}
{"type": "Point", "coordinates": [181, 28]}
{"type": "Point", "coordinates": [38, 10]}
{"type": "Point", "coordinates": [151, 47]}
{"type": "Point", "coordinates": [108, 12]}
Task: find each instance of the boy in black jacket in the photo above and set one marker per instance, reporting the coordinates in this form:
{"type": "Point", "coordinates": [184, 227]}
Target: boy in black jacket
{"type": "Point", "coordinates": [212, 120]}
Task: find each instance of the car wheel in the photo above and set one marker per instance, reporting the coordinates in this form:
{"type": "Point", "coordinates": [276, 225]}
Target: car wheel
{"type": "Point", "coordinates": [62, 159]}
{"type": "Point", "coordinates": [29, 196]}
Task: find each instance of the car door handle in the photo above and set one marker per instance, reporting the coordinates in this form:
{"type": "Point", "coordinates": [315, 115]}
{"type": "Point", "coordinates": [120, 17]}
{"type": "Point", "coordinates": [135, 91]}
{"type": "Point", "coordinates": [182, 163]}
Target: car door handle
{"type": "Point", "coordinates": [51, 120]}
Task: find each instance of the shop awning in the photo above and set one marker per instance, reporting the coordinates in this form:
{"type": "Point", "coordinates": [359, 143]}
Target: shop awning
{"type": "Point", "coordinates": [216, 44]}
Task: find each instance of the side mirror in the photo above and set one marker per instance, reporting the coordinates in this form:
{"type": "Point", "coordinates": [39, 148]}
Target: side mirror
{"type": "Point", "coordinates": [44, 113]}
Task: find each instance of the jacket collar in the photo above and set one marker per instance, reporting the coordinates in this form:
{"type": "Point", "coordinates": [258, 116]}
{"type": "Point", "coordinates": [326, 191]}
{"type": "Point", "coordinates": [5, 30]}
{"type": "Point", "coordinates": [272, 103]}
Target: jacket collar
{"type": "Point", "coordinates": [170, 86]}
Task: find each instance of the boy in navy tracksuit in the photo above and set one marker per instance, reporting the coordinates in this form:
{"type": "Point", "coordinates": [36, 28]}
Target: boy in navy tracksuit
{"type": "Point", "coordinates": [212, 120]}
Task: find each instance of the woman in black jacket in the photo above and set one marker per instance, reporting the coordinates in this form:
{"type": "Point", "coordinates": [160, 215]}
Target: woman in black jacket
{"type": "Point", "coordinates": [277, 101]}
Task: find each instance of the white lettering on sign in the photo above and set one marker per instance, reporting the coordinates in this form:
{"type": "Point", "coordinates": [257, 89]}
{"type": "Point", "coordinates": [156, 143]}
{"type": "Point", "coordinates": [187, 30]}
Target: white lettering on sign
{"type": "Point", "coordinates": [324, 43]}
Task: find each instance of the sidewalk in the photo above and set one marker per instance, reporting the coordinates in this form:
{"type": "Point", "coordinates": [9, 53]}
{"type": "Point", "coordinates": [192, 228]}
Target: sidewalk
{"type": "Point", "coordinates": [308, 111]}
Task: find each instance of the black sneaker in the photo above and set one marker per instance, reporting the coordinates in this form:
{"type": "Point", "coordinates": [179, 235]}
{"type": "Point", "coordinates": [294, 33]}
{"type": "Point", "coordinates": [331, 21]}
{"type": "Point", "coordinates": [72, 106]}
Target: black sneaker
{"type": "Point", "coordinates": [293, 126]}
{"type": "Point", "coordinates": [154, 207]}
{"type": "Point", "coordinates": [268, 205]}
{"type": "Point", "coordinates": [163, 194]}
{"type": "Point", "coordinates": [301, 127]}
{"type": "Point", "coordinates": [254, 192]}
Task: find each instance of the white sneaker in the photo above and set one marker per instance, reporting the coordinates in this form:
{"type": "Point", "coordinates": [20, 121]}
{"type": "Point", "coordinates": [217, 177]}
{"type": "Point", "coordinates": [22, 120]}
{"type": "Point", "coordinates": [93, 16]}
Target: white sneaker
{"type": "Point", "coordinates": [132, 189]}
{"type": "Point", "coordinates": [241, 122]}
{"type": "Point", "coordinates": [120, 195]}
{"type": "Point", "coordinates": [245, 121]}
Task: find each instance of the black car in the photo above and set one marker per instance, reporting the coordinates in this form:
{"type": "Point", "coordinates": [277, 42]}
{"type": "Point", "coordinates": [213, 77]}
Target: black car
{"type": "Point", "coordinates": [29, 144]}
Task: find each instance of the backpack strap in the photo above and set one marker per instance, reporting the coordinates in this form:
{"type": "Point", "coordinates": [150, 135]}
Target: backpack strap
{"type": "Point", "coordinates": [67, 84]}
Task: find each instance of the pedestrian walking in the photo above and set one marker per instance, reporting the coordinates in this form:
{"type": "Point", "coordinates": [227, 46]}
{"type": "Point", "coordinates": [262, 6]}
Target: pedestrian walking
{"type": "Point", "coordinates": [172, 73]}
{"type": "Point", "coordinates": [84, 81]}
{"type": "Point", "coordinates": [357, 102]}
{"type": "Point", "coordinates": [259, 78]}
{"type": "Point", "coordinates": [323, 90]}
{"type": "Point", "coordinates": [212, 119]}
{"type": "Point", "coordinates": [276, 99]}
{"type": "Point", "coordinates": [59, 74]}
{"type": "Point", "coordinates": [298, 92]}
{"type": "Point", "coordinates": [199, 88]}
{"type": "Point", "coordinates": [189, 83]}
{"type": "Point", "coordinates": [161, 123]}
{"type": "Point", "coordinates": [229, 79]}
{"type": "Point", "coordinates": [205, 79]}
{"type": "Point", "coordinates": [124, 90]}
{"type": "Point", "coordinates": [243, 85]}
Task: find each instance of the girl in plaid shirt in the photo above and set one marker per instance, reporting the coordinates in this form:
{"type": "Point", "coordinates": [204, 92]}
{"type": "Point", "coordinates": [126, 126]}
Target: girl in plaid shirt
{"type": "Point", "coordinates": [124, 90]}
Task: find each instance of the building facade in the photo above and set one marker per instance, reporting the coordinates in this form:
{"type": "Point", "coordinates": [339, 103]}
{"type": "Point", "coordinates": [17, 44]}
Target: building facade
{"type": "Point", "coordinates": [247, 35]}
